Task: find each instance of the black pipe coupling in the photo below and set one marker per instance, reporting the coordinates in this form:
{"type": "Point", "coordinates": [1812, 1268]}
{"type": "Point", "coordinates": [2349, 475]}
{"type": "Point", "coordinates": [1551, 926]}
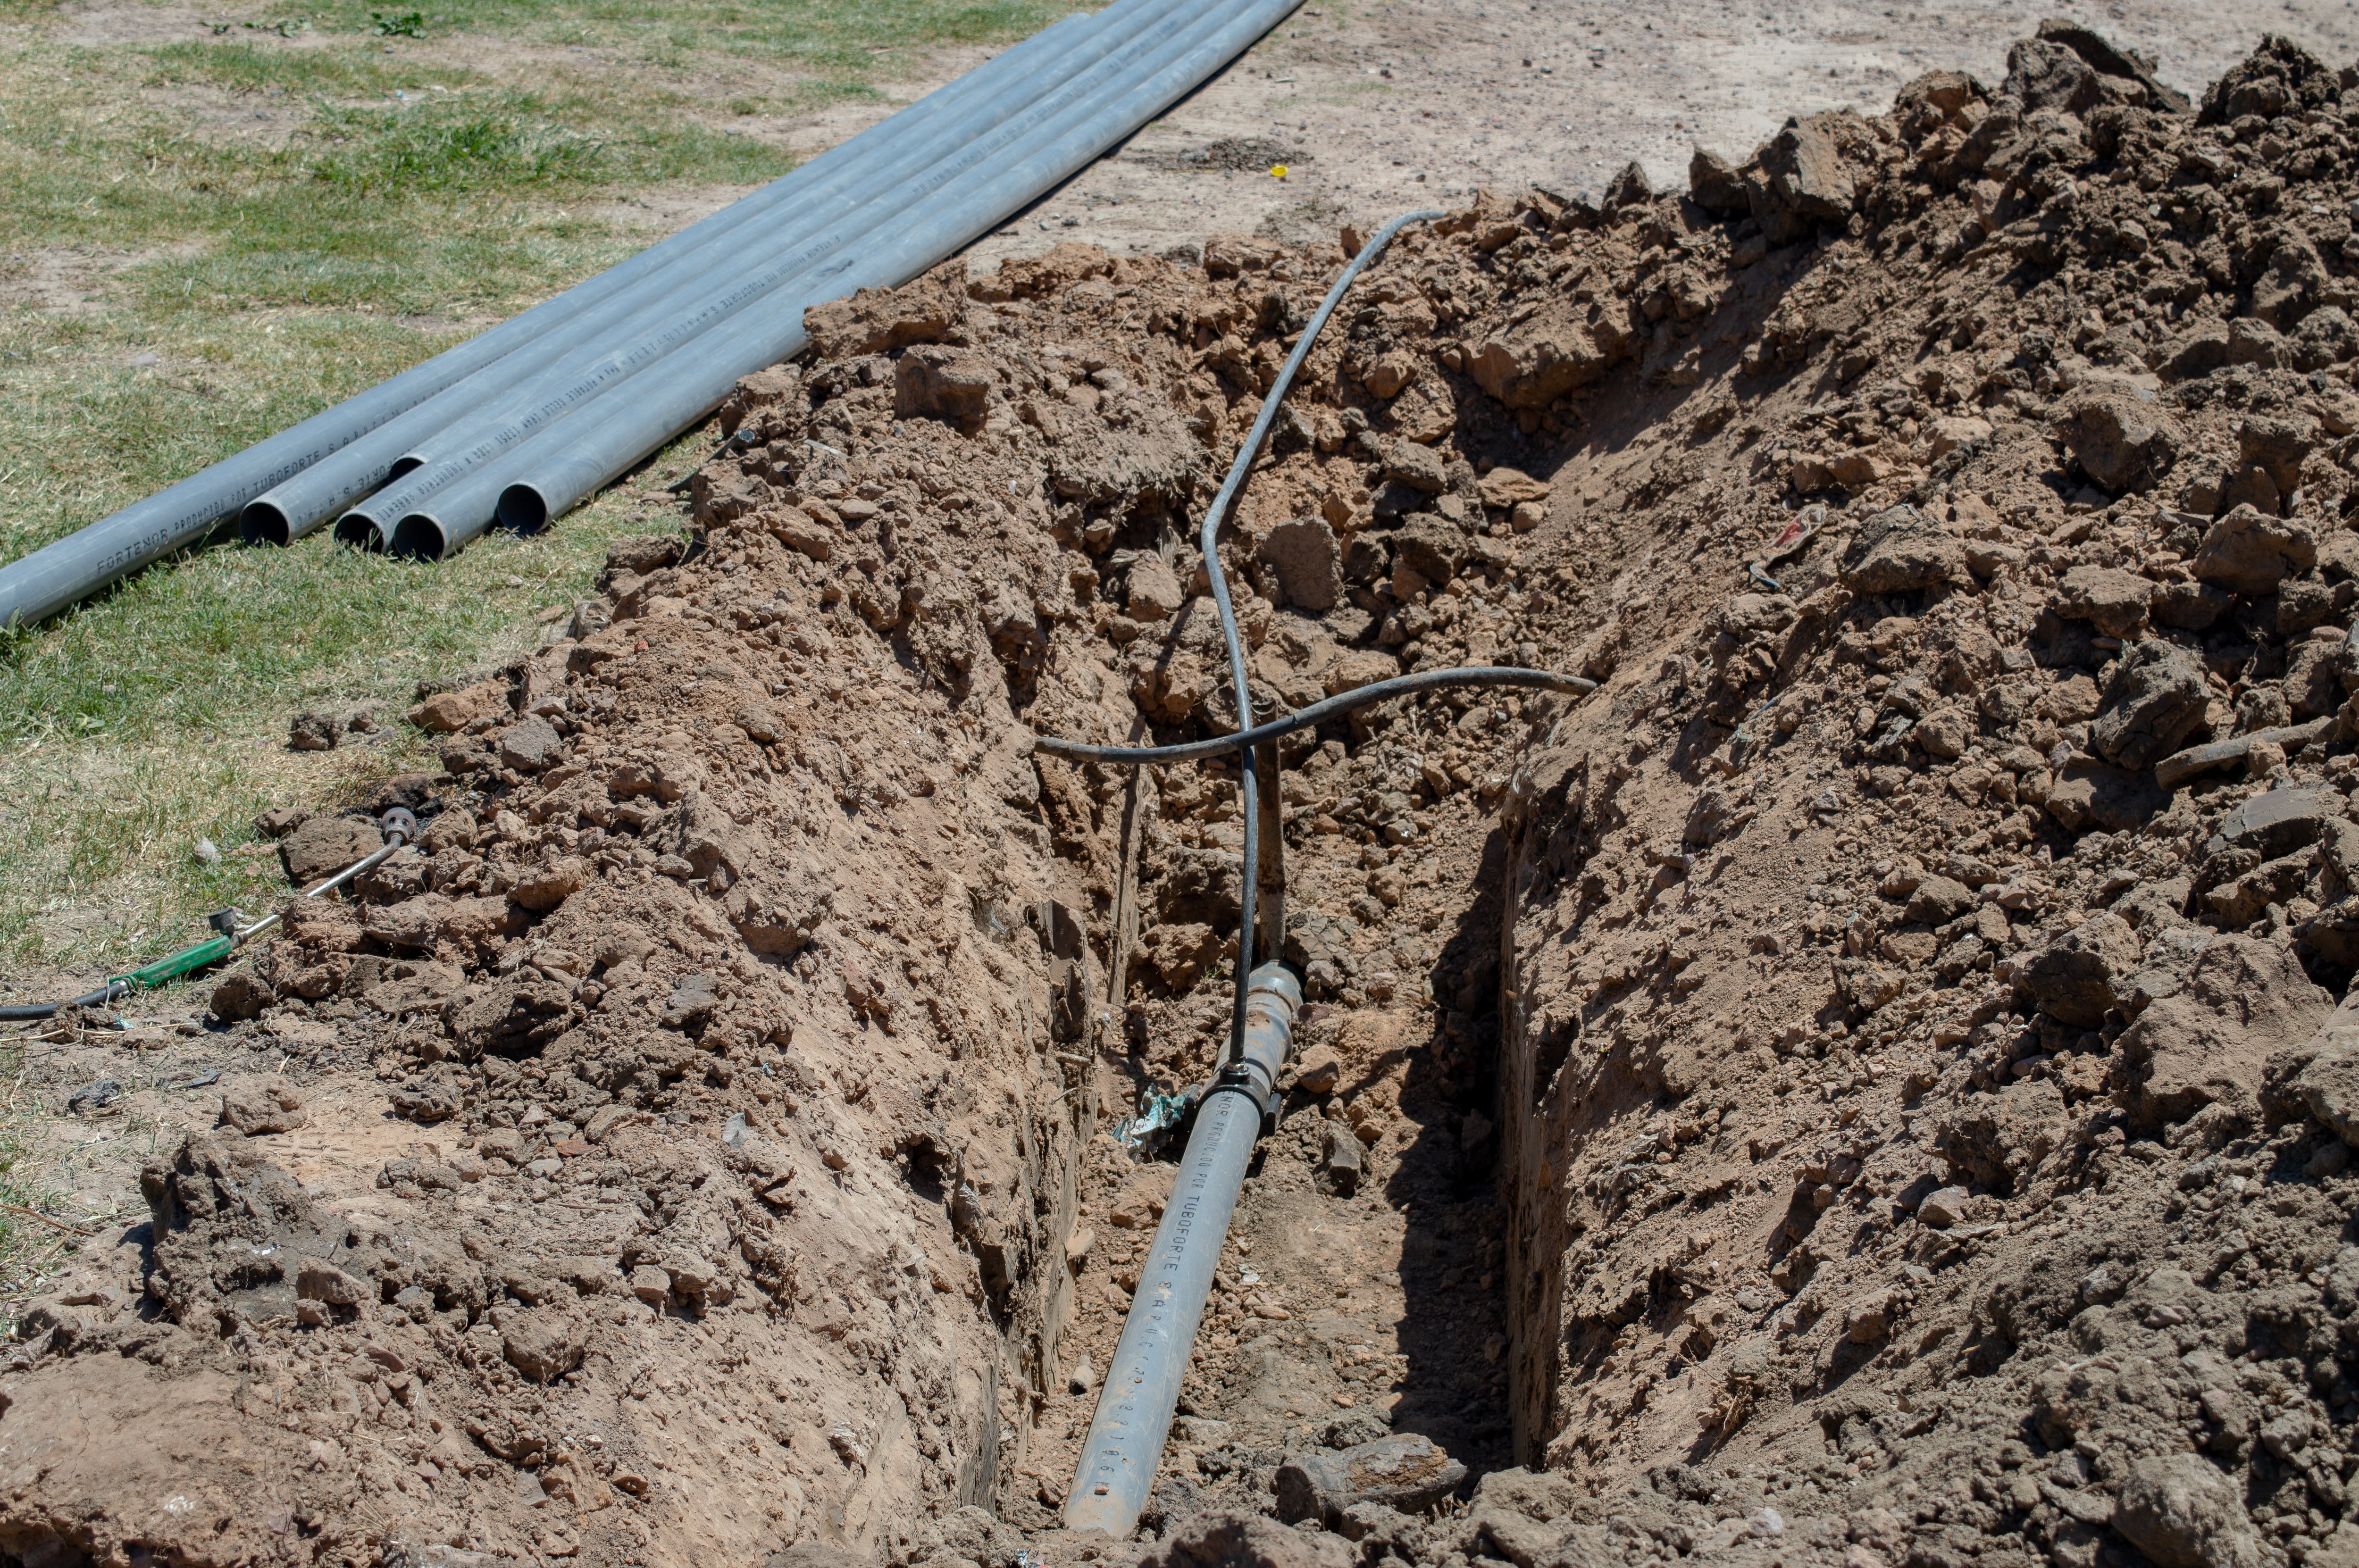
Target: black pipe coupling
{"type": "Point", "coordinates": [1270, 1004]}
{"type": "Point", "coordinates": [1247, 1079]}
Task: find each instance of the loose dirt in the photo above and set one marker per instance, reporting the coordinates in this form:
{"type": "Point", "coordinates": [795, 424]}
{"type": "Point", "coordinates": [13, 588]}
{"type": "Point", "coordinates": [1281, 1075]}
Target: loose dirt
{"type": "Point", "coordinates": [1382, 108]}
{"type": "Point", "coordinates": [1866, 1086]}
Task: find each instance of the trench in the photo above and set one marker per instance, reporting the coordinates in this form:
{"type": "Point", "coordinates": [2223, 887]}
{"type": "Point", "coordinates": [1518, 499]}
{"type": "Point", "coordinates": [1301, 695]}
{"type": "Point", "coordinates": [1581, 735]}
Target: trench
{"type": "Point", "coordinates": [1443, 1293]}
{"type": "Point", "coordinates": [1343, 1310]}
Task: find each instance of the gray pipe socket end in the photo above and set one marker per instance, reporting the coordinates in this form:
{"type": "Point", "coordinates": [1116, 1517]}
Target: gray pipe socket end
{"type": "Point", "coordinates": [1272, 999]}
{"type": "Point", "coordinates": [1277, 981]}
{"type": "Point", "coordinates": [1272, 991]}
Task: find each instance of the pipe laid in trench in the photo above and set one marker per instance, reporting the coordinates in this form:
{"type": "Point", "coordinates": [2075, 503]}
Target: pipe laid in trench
{"type": "Point", "coordinates": [1142, 1386]}
{"type": "Point", "coordinates": [68, 570]}
{"type": "Point", "coordinates": [929, 129]}
{"type": "Point", "coordinates": [1077, 112]}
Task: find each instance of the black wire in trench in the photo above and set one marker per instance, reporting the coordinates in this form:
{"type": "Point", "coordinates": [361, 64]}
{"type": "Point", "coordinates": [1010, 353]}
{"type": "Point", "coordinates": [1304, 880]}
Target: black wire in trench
{"type": "Point", "coordinates": [1248, 735]}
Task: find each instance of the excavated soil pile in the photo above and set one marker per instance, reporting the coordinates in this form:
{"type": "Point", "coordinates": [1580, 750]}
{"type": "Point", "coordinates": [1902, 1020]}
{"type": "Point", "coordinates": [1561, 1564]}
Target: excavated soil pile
{"type": "Point", "coordinates": [1865, 1086]}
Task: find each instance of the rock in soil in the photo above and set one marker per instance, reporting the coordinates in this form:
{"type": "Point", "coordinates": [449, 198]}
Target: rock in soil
{"type": "Point", "coordinates": [323, 846]}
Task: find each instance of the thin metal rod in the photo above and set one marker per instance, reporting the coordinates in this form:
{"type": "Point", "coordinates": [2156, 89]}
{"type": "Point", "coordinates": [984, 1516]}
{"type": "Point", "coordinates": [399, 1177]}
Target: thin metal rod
{"type": "Point", "coordinates": [376, 859]}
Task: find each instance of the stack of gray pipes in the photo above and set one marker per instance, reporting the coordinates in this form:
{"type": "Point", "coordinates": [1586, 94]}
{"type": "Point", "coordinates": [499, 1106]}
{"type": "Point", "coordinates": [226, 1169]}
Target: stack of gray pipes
{"type": "Point", "coordinates": [525, 421]}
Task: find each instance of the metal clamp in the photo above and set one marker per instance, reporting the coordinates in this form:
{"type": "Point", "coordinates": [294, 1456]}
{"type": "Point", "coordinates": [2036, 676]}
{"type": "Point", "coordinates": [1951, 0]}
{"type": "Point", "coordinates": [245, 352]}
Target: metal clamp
{"type": "Point", "coordinates": [1246, 1079]}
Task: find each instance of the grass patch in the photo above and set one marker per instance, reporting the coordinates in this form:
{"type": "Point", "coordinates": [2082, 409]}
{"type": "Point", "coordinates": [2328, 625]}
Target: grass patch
{"type": "Point", "coordinates": [857, 36]}
{"type": "Point", "coordinates": [156, 716]}
{"type": "Point", "coordinates": [258, 223]}
{"type": "Point", "coordinates": [509, 143]}
{"type": "Point", "coordinates": [246, 67]}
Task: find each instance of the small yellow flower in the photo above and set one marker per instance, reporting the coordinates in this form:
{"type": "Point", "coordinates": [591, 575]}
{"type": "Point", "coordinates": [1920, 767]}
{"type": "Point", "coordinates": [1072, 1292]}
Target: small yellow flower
{"type": "Point", "coordinates": [1278, 171]}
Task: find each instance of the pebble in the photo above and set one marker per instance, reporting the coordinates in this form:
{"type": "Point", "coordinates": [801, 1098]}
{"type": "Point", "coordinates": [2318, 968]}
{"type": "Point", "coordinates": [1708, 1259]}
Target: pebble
{"type": "Point", "coordinates": [1346, 1160]}
{"type": "Point", "coordinates": [1943, 1208]}
{"type": "Point", "coordinates": [1319, 1071]}
{"type": "Point", "coordinates": [1410, 1473]}
{"type": "Point", "coordinates": [94, 1096]}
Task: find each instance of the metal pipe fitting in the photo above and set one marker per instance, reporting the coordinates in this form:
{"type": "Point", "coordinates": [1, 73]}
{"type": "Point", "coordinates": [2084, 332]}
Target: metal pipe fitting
{"type": "Point", "coordinates": [1142, 1387]}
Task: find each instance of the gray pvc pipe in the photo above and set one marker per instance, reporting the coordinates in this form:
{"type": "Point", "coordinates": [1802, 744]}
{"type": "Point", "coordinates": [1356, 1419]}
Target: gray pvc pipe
{"type": "Point", "coordinates": [457, 512]}
{"type": "Point", "coordinates": [571, 458]}
{"type": "Point", "coordinates": [549, 398]}
{"type": "Point", "coordinates": [935, 125]}
{"type": "Point", "coordinates": [1125, 1447]}
{"type": "Point", "coordinates": [68, 570]}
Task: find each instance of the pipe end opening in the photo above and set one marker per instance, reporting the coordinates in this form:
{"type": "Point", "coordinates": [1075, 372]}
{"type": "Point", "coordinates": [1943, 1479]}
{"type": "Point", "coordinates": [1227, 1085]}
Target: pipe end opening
{"type": "Point", "coordinates": [523, 509]}
{"type": "Point", "coordinates": [407, 463]}
{"type": "Point", "coordinates": [263, 524]}
{"type": "Point", "coordinates": [418, 538]}
{"type": "Point", "coordinates": [359, 533]}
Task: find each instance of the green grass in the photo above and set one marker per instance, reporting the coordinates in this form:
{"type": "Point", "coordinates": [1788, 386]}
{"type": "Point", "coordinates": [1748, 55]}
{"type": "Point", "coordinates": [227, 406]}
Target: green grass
{"type": "Point", "coordinates": [268, 218]}
{"type": "Point", "coordinates": [155, 717]}
{"type": "Point", "coordinates": [248, 67]}
{"type": "Point", "coordinates": [848, 36]}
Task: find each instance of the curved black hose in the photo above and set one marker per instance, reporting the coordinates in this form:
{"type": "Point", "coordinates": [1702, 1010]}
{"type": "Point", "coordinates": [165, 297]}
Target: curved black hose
{"type": "Point", "coordinates": [33, 1011]}
{"type": "Point", "coordinates": [1248, 735]}
{"type": "Point", "coordinates": [1316, 714]}
{"type": "Point", "coordinates": [1208, 540]}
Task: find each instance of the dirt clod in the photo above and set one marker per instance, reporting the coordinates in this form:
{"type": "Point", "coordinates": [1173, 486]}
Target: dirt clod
{"type": "Point", "coordinates": [323, 846]}
{"type": "Point", "coordinates": [255, 1106]}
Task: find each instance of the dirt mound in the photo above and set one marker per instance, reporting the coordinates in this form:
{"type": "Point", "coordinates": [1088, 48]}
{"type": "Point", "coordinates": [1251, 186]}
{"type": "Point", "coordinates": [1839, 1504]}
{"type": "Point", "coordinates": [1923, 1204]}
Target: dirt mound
{"type": "Point", "coordinates": [1867, 1085]}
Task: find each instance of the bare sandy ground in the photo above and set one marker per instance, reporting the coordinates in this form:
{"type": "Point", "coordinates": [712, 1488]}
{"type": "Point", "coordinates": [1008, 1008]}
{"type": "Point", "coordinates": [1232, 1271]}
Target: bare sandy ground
{"type": "Point", "coordinates": [1380, 106]}
{"type": "Point", "coordinates": [1387, 106]}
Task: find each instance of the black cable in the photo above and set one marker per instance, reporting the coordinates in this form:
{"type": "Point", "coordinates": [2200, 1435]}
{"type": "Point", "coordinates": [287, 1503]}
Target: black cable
{"type": "Point", "coordinates": [1208, 538]}
{"type": "Point", "coordinates": [33, 1011]}
{"type": "Point", "coordinates": [1247, 736]}
{"type": "Point", "coordinates": [1316, 714]}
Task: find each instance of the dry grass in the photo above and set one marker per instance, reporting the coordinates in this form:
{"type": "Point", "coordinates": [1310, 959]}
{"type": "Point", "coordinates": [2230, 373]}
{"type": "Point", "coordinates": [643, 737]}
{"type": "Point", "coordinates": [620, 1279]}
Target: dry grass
{"type": "Point", "coordinates": [31, 1241]}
